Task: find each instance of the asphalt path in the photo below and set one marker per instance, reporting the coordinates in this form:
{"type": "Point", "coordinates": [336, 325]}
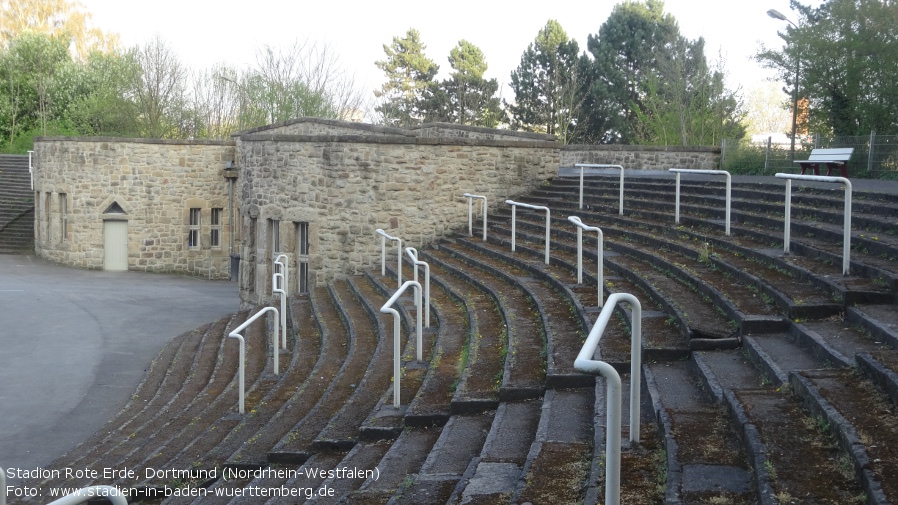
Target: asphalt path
{"type": "Point", "coordinates": [74, 345]}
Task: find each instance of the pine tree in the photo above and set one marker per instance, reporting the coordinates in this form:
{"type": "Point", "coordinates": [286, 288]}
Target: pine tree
{"type": "Point", "coordinates": [409, 73]}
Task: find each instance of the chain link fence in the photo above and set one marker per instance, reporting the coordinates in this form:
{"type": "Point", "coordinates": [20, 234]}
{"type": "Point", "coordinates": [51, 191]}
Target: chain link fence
{"type": "Point", "coordinates": [874, 157]}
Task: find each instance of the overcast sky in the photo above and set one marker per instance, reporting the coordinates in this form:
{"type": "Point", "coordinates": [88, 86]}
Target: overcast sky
{"type": "Point", "coordinates": [203, 32]}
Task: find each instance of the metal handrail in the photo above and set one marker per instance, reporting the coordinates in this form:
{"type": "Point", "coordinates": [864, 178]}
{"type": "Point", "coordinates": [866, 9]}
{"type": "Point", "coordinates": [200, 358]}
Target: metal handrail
{"type": "Point", "coordinates": [585, 363]}
{"type": "Point", "coordinates": [846, 226]}
{"type": "Point", "coordinates": [283, 269]}
{"type": "Point", "coordinates": [514, 206]}
{"type": "Point", "coordinates": [413, 254]}
{"type": "Point", "coordinates": [729, 186]}
{"type": "Point", "coordinates": [470, 198]}
{"type": "Point", "coordinates": [242, 356]}
{"type": "Point", "coordinates": [397, 351]}
{"type": "Point", "coordinates": [599, 274]}
{"type": "Point", "coordinates": [30, 176]}
{"type": "Point", "coordinates": [283, 312]}
{"type": "Point", "coordinates": [592, 165]}
{"type": "Point", "coordinates": [383, 254]}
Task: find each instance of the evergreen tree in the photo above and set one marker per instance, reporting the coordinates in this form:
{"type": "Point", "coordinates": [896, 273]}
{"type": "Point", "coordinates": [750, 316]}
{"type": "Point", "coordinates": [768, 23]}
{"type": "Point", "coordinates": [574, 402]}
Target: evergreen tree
{"type": "Point", "coordinates": [409, 74]}
{"type": "Point", "coordinates": [686, 102]}
{"type": "Point", "coordinates": [546, 84]}
{"type": "Point", "coordinates": [466, 97]}
{"type": "Point", "coordinates": [627, 51]}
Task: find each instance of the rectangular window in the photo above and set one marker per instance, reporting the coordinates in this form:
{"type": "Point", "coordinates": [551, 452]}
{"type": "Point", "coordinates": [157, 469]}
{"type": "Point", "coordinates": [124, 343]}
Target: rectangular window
{"type": "Point", "coordinates": [193, 235]}
{"type": "Point", "coordinates": [274, 232]}
{"type": "Point", "coordinates": [302, 256]}
{"type": "Point", "coordinates": [251, 253]}
{"type": "Point", "coordinates": [63, 217]}
{"type": "Point", "coordinates": [215, 234]}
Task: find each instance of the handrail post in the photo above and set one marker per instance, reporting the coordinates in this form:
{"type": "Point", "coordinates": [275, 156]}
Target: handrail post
{"type": "Point", "coordinates": [470, 198]}
{"type": "Point", "coordinates": [514, 205]}
{"type": "Point", "coordinates": [242, 354]}
{"type": "Point", "coordinates": [677, 201]}
{"type": "Point", "coordinates": [585, 363]}
{"type": "Point", "coordinates": [31, 176]}
{"type": "Point", "coordinates": [383, 254]}
{"type": "Point", "coordinates": [285, 286]}
{"type": "Point", "coordinates": [594, 165]}
{"type": "Point", "coordinates": [283, 312]}
{"type": "Point", "coordinates": [846, 225]}
{"type": "Point", "coordinates": [413, 254]}
{"type": "Point", "coordinates": [581, 185]}
{"type": "Point", "coordinates": [397, 351]}
{"type": "Point", "coordinates": [728, 197]}
{"type": "Point", "coordinates": [600, 295]}
{"type": "Point", "coordinates": [787, 234]}
{"type": "Point", "coordinates": [513, 216]}
{"type": "Point", "coordinates": [284, 270]}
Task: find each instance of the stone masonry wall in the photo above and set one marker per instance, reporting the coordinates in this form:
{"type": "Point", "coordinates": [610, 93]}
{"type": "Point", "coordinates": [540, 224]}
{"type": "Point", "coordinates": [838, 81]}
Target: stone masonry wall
{"type": "Point", "coordinates": [154, 182]}
{"type": "Point", "coordinates": [643, 157]}
{"type": "Point", "coordinates": [449, 130]}
{"type": "Point", "coordinates": [321, 126]}
{"type": "Point", "coordinates": [345, 187]}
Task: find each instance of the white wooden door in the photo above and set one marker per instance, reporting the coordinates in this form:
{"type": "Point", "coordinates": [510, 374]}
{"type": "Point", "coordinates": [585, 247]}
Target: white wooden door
{"type": "Point", "coordinates": [115, 245]}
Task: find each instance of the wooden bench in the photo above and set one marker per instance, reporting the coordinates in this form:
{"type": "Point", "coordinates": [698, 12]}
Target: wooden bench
{"type": "Point", "coordinates": [832, 158]}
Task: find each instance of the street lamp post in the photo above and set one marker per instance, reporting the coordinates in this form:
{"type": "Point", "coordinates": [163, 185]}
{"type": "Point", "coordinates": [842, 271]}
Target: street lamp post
{"type": "Point", "coordinates": [775, 14]}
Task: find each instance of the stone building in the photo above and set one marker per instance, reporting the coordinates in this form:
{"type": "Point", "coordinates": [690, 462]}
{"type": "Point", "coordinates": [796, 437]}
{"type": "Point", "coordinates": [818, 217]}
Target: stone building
{"type": "Point", "coordinates": [312, 189]}
{"type": "Point", "coordinates": [316, 190]}
{"type": "Point", "coordinates": [134, 204]}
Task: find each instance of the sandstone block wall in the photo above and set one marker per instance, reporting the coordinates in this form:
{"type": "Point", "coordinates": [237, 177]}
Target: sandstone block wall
{"type": "Point", "coordinates": [643, 157]}
{"type": "Point", "coordinates": [153, 182]}
{"type": "Point", "coordinates": [346, 186]}
{"type": "Point", "coordinates": [321, 126]}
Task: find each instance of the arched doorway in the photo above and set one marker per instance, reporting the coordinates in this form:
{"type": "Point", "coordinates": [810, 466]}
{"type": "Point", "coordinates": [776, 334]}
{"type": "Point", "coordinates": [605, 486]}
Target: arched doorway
{"type": "Point", "coordinates": [115, 238]}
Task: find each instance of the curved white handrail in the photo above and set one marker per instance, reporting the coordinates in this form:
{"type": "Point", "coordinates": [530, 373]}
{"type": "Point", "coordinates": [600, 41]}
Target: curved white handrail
{"type": "Point", "coordinates": [397, 351]}
{"type": "Point", "coordinates": [283, 312]}
{"type": "Point", "coordinates": [113, 494]}
{"type": "Point", "coordinates": [729, 186]}
{"type": "Point", "coordinates": [846, 225]}
{"type": "Point", "coordinates": [31, 176]}
{"type": "Point", "coordinates": [383, 254]}
{"type": "Point", "coordinates": [593, 165]}
{"type": "Point", "coordinates": [599, 274]}
{"type": "Point", "coordinates": [274, 345]}
{"type": "Point", "coordinates": [283, 269]}
{"type": "Point", "coordinates": [285, 286]}
{"type": "Point", "coordinates": [470, 198]}
{"type": "Point", "coordinates": [585, 363]}
{"type": "Point", "coordinates": [514, 206]}
{"type": "Point", "coordinates": [413, 254]}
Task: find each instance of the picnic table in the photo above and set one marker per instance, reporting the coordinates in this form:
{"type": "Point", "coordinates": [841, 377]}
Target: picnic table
{"type": "Point", "coordinates": [832, 158]}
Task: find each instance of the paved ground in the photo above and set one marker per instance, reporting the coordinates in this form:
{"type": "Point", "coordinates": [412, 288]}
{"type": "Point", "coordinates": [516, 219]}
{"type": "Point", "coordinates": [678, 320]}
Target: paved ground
{"type": "Point", "coordinates": [74, 344]}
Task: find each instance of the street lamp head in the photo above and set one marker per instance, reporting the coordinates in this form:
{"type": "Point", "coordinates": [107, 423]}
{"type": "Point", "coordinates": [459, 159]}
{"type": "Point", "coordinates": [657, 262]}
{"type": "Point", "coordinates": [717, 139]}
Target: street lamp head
{"type": "Point", "coordinates": [775, 14]}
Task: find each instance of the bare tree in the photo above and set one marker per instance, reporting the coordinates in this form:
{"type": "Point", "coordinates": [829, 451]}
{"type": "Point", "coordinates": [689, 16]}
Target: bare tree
{"type": "Point", "coordinates": [160, 94]}
{"type": "Point", "coordinates": [214, 105]}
